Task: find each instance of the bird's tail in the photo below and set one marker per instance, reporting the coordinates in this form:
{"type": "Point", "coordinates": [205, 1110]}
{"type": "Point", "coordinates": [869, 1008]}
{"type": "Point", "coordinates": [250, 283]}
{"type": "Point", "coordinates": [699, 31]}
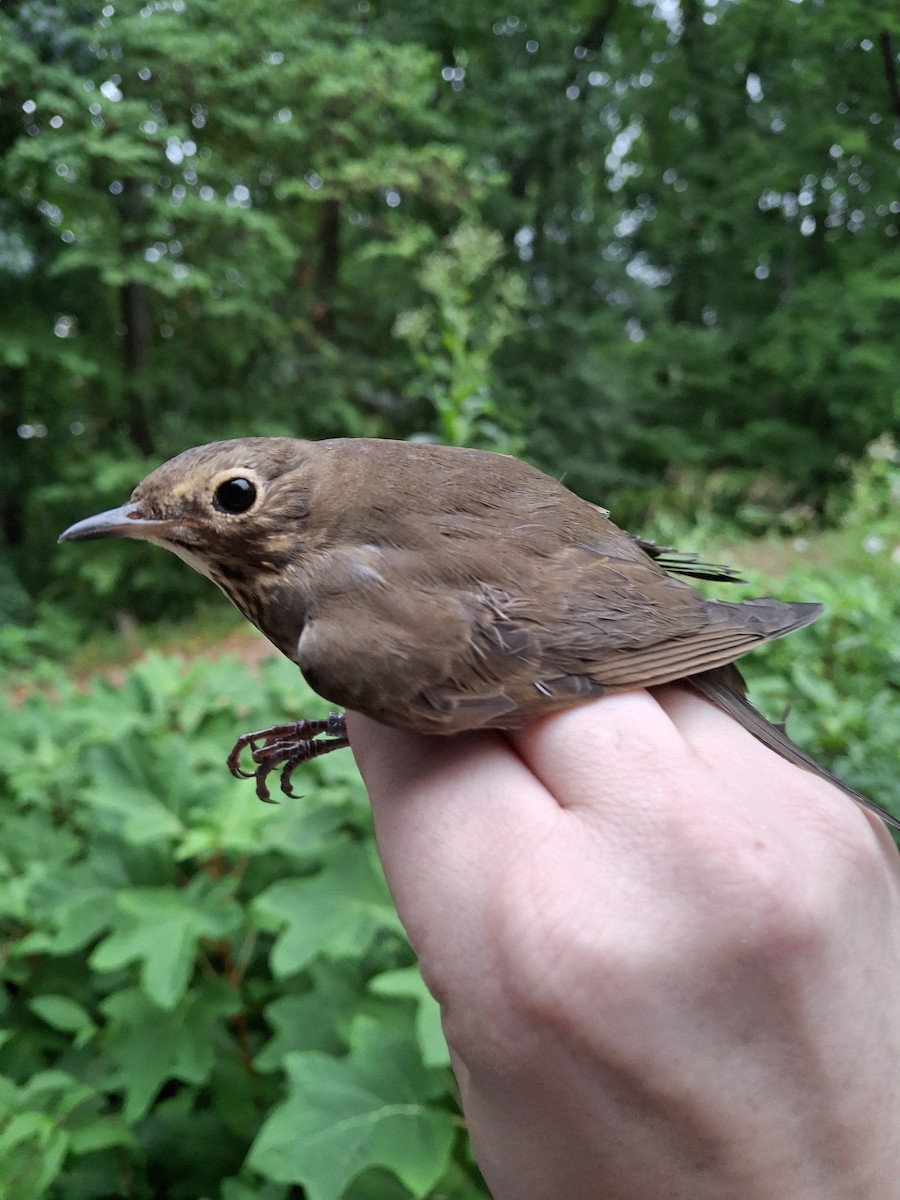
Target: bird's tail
{"type": "Point", "coordinates": [725, 687]}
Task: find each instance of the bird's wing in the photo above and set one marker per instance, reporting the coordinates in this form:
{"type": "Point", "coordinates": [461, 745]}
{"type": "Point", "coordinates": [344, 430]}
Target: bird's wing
{"type": "Point", "coordinates": [685, 562]}
{"type": "Point", "coordinates": [450, 651]}
{"type": "Point", "coordinates": [548, 671]}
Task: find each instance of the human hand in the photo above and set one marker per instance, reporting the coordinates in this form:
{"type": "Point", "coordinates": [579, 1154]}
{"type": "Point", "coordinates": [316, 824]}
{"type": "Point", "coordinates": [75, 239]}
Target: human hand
{"type": "Point", "coordinates": [668, 961]}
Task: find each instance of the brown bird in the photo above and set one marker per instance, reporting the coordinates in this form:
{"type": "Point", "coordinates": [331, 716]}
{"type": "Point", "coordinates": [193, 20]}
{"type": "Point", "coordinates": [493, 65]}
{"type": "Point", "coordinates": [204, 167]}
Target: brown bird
{"type": "Point", "coordinates": [440, 589]}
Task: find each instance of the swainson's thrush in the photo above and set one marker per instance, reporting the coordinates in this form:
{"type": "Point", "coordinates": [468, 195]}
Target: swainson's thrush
{"type": "Point", "coordinates": [440, 589]}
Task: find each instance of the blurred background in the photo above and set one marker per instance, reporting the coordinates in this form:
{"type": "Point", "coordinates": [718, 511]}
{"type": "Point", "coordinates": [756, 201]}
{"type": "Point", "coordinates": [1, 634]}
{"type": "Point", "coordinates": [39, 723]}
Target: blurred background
{"type": "Point", "coordinates": [652, 247]}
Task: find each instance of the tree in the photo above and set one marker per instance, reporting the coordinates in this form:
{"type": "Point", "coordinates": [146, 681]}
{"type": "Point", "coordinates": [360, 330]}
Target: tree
{"type": "Point", "coordinates": [215, 214]}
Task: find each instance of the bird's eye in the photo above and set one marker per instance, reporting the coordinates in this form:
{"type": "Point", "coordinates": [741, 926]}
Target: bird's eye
{"type": "Point", "coordinates": [235, 495]}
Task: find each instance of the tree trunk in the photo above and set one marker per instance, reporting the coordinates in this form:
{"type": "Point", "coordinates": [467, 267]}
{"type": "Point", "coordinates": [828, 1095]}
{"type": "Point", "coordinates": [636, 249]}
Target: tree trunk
{"type": "Point", "coordinates": [329, 263]}
{"type": "Point", "coordinates": [135, 311]}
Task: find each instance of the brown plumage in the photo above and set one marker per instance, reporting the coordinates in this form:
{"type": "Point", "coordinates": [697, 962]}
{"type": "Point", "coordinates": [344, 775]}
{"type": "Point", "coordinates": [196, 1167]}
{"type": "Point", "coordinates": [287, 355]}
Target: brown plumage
{"type": "Point", "coordinates": [440, 589]}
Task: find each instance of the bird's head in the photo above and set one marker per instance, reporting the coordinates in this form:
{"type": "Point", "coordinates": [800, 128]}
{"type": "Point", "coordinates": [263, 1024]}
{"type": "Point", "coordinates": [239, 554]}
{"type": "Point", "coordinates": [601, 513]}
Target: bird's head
{"type": "Point", "coordinates": [242, 502]}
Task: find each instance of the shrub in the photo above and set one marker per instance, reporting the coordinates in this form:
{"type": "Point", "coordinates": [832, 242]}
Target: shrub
{"type": "Point", "coordinates": [203, 995]}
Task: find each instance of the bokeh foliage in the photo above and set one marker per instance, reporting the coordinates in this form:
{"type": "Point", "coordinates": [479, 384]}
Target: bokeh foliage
{"type": "Point", "coordinates": [217, 216]}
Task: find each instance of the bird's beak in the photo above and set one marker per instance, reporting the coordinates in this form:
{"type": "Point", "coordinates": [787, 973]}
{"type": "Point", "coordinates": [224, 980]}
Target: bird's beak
{"type": "Point", "coordinates": [115, 522]}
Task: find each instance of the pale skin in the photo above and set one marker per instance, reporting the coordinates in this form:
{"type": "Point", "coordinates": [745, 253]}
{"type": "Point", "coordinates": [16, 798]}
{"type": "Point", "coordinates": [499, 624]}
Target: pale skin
{"type": "Point", "coordinates": [668, 960]}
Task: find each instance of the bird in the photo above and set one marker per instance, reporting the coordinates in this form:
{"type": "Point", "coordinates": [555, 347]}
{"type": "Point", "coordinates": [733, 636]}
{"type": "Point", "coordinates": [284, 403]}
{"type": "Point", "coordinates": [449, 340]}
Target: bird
{"type": "Point", "coordinates": [441, 589]}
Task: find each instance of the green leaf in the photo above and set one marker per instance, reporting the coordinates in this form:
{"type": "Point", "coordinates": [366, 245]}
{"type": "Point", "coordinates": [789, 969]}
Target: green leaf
{"type": "Point", "coordinates": [408, 982]}
{"type": "Point", "coordinates": [32, 1151]}
{"type": "Point", "coordinates": [337, 912]}
{"type": "Point", "coordinates": [312, 1021]}
{"type": "Point", "coordinates": [82, 919]}
{"type": "Point", "coordinates": [370, 1109]}
{"type": "Point", "coordinates": [160, 928]}
{"type": "Point", "coordinates": [35, 1131]}
{"type": "Point", "coordinates": [62, 1013]}
{"type": "Point", "coordinates": [125, 796]}
{"type": "Point", "coordinates": [148, 1045]}
{"type": "Point", "coordinates": [814, 687]}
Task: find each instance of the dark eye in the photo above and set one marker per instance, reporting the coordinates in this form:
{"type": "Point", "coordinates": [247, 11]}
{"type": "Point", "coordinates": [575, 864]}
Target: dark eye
{"type": "Point", "coordinates": [235, 495]}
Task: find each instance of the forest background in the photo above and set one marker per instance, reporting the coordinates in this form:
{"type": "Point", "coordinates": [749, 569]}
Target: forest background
{"type": "Point", "coordinates": [651, 247]}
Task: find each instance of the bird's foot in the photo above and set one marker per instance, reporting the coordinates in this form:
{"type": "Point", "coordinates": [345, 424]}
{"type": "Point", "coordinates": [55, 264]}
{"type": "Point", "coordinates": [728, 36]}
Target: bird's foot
{"type": "Point", "coordinates": [286, 747]}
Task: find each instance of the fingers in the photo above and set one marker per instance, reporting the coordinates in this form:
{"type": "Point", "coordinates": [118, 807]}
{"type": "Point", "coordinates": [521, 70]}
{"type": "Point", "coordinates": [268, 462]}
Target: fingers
{"type": "Point", "coordinates": [596, 755]}
{"type": "Point", "coordinates": [468, 803]}
{"type": "Point", "coordinates": [465, 819]}
{"type": "Point", "coordinates": [449, 813]}
{"type": "Point", "coordinates": [819, 807]}
{"type": "Point", "coordinates": [658, 789]}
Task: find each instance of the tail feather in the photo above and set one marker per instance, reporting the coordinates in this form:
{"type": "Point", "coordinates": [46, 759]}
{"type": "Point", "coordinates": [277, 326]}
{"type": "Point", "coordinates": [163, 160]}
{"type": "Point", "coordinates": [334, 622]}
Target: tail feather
{"type": "Point", "coordinates": [725, 687]}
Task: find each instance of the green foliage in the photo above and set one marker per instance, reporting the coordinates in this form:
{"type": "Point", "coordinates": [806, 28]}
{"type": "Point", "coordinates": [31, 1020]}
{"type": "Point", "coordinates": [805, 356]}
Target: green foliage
{"type": "Point", "coordinates": [370, 1107]}
{"type": "Point", "coordinates": [203, 995]}
{"type": "Point", "coordinates": [472, 309]}
{"type": "Point", "coordinates": [632, 240]}
{"type": "Point", "coordinates": [850, 672]}
{"type": "Point", "coordinates": [870, 504]}
{"type": "Point", "coordinates": [840, 679]}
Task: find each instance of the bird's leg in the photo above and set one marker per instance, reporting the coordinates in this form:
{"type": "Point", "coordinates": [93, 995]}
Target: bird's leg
{"type": "Point", "coordinates": [287, 747]}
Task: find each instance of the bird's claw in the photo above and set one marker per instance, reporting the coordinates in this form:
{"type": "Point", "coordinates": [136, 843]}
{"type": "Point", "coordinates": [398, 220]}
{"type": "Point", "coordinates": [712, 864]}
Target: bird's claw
{"type": "Point", "coordinates": [287, 747]}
